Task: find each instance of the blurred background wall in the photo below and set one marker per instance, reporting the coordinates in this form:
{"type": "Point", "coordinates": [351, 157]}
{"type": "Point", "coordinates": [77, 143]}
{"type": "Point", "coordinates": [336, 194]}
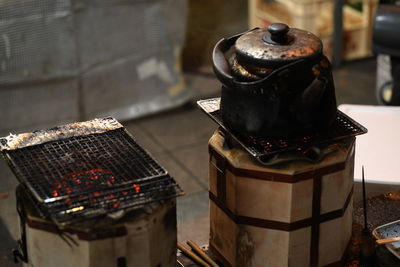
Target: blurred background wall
{"type": "Point", "coordinates": [207, 22]}
{"type": "Point", "coordinates": [68, 60]}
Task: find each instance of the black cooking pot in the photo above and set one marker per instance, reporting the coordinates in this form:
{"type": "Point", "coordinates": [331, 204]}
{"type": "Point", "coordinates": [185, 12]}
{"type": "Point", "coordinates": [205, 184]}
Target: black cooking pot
{"type": "Point", "coordinates": [276, 82]}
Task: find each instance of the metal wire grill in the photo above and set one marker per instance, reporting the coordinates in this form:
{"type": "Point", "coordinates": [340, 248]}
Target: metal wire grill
{"type": "Point", "coordinates": [343, 127]}
{"type": "Point", "coordinates": [85, 176]}
{"type": "Point", "coordinates": [264, 148]}
{"type": "Point", "coordinates": [80, 164]}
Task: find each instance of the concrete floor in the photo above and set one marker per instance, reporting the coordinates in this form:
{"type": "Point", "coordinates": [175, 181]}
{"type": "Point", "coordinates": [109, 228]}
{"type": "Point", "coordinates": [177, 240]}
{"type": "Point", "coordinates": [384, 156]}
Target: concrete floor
{"type": "Point", "coordinates": [178, 140]}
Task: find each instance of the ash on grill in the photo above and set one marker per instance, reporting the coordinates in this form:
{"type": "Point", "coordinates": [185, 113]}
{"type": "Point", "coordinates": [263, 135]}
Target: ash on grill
{"type": "Point", "coordinates": [84, 170]}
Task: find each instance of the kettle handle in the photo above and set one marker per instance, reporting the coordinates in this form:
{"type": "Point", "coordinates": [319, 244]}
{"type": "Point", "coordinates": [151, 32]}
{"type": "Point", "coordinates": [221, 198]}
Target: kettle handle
{"type": "Point", "coordinates": [220, 64]}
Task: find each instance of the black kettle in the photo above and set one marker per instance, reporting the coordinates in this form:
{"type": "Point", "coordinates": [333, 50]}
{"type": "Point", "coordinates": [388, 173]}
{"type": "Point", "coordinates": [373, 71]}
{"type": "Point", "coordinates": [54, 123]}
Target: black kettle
{"type": "Point", "coordinates": [276, 82]}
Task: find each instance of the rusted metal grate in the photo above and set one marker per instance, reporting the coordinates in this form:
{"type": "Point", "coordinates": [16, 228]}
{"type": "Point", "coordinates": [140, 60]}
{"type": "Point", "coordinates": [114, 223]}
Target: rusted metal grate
{"type": "Point", "coordinates": [83, 176]}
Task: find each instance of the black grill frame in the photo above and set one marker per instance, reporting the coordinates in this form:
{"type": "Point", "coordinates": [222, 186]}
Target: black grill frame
{"type": "Point", "coordinates": [264, 149]}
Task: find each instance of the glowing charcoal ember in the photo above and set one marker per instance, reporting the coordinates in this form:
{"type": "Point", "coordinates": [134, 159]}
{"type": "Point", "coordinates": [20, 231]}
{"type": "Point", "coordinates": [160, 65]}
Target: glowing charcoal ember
{"type": "Point", "coordinates": [89, 178]}
{"type": "Point", "coordinates": [137, 188]}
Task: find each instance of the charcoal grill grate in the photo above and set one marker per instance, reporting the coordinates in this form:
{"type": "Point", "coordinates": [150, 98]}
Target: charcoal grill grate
{"type": "Point", "coordinates": [84, 176]}
{"type": "Point", "coordinates": [263, 149]}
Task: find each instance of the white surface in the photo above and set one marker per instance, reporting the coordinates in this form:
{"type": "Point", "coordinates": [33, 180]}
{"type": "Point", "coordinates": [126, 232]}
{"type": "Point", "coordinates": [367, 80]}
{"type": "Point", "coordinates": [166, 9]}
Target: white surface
{"type": "Point", "coordinates": [379, 149]}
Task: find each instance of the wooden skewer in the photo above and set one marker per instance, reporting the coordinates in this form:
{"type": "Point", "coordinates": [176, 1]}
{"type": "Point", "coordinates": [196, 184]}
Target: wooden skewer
{"type": "Point", "coordinates": [192, 255]}
{"type": "Point", "coordinates": [199, 251]}
{"type": "Point", "coordinates": [387, 240]}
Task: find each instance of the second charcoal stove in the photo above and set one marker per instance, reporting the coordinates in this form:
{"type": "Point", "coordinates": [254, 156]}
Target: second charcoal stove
{"type": "Point", "coordinates": [85, 170]}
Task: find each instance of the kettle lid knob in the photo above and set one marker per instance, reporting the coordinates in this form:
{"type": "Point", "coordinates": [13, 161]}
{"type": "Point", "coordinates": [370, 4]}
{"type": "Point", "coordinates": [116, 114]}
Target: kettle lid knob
{"type": "Point", "coordinates": [278, 34]}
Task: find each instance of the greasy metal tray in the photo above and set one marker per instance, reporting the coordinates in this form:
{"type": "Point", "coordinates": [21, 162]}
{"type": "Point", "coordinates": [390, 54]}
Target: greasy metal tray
{"type": "Point", "coordinates": [388, 231]}
{"type": "Point", "coordinates": [266, 150]}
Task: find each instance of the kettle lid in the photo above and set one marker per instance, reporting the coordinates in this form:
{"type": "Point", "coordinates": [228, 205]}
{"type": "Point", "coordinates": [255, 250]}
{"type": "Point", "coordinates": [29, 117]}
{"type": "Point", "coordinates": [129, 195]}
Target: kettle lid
{"type": "Point", "coordinates": [275, 46]}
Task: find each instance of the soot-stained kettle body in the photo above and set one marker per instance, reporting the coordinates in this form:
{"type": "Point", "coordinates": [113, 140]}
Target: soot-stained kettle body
{"type": "Point", "coordinates": [276, 82]}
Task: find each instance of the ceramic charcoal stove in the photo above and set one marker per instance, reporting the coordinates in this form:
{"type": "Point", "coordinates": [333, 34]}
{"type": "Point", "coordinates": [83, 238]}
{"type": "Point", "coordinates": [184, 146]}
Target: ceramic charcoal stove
{"type": "Point", "coordinates": [281, 163]}
{"type": "Point", "coordinates": [91, 196]}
